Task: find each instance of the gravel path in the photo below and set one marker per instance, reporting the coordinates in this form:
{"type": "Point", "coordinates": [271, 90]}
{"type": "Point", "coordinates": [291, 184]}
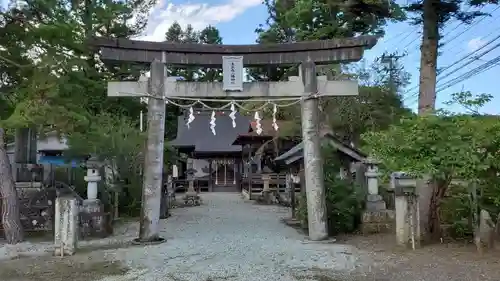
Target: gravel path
{"type": "Point", "coordinates": [229, 239]}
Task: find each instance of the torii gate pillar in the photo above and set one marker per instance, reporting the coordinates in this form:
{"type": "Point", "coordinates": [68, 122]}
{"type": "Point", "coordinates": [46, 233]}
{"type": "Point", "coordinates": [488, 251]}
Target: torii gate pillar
{"type": "Point", "coordinates": [313, 163]}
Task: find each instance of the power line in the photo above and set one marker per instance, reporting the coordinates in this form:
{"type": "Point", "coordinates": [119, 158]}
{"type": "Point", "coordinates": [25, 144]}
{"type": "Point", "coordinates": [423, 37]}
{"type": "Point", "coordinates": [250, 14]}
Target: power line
{"type": "Point", "coordinates": [441, 72]}
{"type": "Point", "coordinates": [458, 25]}
{"type": "Point", "coordinates": [475, 71]}
{"type": "Point", "coordinates": [480, 69]}
{"type": "Point", "coordinates": [468, 28]}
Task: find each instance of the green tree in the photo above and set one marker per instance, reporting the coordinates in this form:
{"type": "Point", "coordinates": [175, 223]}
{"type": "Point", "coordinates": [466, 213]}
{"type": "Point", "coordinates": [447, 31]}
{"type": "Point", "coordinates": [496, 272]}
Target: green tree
{"type": "Point", "coordinates": [443, 147]}
{"type": "Point", "coordinates": [120, 146]}
{"type": "Point", "coordinates": [175, 34]}
{"type": "Point", "coordinates": [304, 20]}
{"type": "Point", "coordinates": [51, 75]}
{"type": "Point", "coordinates": [208, 35]}
{"type": "Point", "coordinates": [375, 108]}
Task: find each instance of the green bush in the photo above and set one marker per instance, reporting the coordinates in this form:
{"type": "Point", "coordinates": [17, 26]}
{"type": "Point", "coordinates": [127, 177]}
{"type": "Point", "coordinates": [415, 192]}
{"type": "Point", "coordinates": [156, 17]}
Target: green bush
{"type": "Point", "coordinates": [343, 204]}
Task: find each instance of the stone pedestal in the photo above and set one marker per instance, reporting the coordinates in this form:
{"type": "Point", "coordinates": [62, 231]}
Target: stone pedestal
{"type": "Point", "coordinates": [380, 221]}
{"type": "Point", "coordinates": [191, 196]}
{"type": "Point", "coordinates": [66, 226]}
{"type": "Point", "coordinates": [375, 202]}
{"type": "Point", "coordinates": [93, 219]}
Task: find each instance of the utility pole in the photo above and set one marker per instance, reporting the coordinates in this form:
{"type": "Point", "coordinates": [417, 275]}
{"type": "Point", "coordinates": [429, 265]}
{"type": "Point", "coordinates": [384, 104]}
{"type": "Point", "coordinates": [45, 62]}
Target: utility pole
{"type": "Point", "coordinates": [391, 60]}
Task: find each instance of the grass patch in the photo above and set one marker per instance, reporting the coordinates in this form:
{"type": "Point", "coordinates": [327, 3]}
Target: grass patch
{"type": "Point", "coordinates": [54, 268]}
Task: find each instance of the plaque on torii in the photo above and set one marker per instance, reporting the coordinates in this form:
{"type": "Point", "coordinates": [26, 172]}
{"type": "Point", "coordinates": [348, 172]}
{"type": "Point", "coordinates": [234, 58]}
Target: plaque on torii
{"type": "Point", "coordinates": [307, 87]}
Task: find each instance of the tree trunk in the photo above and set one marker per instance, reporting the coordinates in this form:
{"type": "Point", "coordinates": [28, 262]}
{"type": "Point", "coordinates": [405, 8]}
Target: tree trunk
{"type": "Point", "coordinates": [428, 60]}
{"type": "Point", "coordinates": [10, 203]}
{"type": "Point", "coordinates": [439, 188]}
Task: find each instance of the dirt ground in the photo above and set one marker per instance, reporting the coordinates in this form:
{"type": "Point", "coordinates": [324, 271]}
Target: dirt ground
{"type": "Point", "coordinates": [457, 261]}
{"type": "Point", "coordinates": [88, 265]}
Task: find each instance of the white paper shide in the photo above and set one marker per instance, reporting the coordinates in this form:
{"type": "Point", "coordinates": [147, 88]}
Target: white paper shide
{"type": "Point", "coordinates": [232, 68]}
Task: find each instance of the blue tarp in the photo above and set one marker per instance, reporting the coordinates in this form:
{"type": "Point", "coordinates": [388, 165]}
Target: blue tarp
{"type": "Point", "coordinates": [58, 161]}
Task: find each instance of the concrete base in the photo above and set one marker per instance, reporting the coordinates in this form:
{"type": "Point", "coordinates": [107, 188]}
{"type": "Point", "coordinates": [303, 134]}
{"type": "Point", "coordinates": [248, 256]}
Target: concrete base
{"type": "Point", "coordinates": [245, 194]}
{"type": "Point", "coordinates": [66, 226]}
{"type": "Point", "coordinates": [381, 221]}
{"type": "Point", "coordinates": [266, 197]}
{"type": "Point", "coordinates": [192, 198]}
{"type": "Point", "coordinates": [325, 241]}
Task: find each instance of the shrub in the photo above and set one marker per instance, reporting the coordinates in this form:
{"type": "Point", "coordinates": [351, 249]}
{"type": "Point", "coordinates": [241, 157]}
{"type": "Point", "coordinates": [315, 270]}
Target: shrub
{"type": "Point", "coordinates": [343, 204]}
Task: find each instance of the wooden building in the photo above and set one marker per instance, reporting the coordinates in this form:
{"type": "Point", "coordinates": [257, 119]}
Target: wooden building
{"type": "Point", "coordinates": [352, 159]}
{"type": "Point", "coordinates": [227, 161]}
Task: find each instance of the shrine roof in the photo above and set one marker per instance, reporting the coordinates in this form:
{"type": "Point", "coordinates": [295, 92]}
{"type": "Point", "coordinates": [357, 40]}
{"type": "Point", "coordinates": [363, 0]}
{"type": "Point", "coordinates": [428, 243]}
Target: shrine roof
{"type": "Point", "coordinates": [268, 131]}
{"type": "Point", "coordinates": [200, 138]}
{"type": "Point", "coordinates": [297, 152]}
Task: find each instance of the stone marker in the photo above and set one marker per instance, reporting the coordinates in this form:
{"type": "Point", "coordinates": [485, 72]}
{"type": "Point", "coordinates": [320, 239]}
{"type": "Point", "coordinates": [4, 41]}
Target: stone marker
{"type": "Point", "coordinates": [484, 236]}
{"type": "Point", "coordinates": [66, 226]}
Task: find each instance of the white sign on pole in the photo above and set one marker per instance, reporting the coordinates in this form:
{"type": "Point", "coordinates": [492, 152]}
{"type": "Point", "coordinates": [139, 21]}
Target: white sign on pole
{"type": "Point", "coordinates": [232, 71]}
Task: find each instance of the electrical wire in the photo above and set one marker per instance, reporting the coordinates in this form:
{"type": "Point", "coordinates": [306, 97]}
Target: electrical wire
{"type": "Point", "coordinates": [442, 71]}
{"type": "Point", "coordinates": [477, 70]}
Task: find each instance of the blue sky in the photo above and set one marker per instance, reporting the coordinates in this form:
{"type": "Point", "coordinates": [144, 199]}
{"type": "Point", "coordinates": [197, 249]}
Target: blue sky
{"type": "Point", "coordinates": [238, 19]}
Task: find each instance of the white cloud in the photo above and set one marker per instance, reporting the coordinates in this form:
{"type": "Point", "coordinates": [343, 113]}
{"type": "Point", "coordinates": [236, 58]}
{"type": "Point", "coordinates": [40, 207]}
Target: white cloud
{"type": "Point", "coordinates": [198, 15]}
{"type": "Point", "coordinates": [475, 44]}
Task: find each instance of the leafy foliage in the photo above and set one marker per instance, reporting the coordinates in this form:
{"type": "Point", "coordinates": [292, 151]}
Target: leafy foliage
{"type": "Point", "coordinates": [444, 147]}
{"type": "Point", "coordinates": [120, 146]}
{"type": "Point", "coordinates": [344, 205]}
{"type": "Point", "coordinates": [51, 77]}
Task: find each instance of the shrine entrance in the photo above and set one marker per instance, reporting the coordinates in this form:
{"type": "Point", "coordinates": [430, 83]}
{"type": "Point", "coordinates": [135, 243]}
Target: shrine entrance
{"type": "Point", "coordinates": [306, 89]}
{"type": "Point", "coordinates": [225, 175]}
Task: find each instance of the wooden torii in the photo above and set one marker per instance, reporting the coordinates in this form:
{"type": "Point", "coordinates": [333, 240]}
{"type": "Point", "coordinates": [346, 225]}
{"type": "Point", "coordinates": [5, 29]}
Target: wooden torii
{"type": "Point", "coordinates": [159, 87]}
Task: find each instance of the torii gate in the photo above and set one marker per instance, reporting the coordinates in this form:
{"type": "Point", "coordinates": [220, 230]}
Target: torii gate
{"type": "Point", "coordinates": [160, 54]}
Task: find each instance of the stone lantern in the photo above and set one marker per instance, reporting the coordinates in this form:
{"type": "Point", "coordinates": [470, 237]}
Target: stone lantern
{"type": "Point", "coordinates": [93, 222]}
{"type": "Point", "coordinates": [374, 201]}
{"type": "Point", "coordinates": [92, 178]}
{"type": "Point", "coordinates": [191, 194]}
